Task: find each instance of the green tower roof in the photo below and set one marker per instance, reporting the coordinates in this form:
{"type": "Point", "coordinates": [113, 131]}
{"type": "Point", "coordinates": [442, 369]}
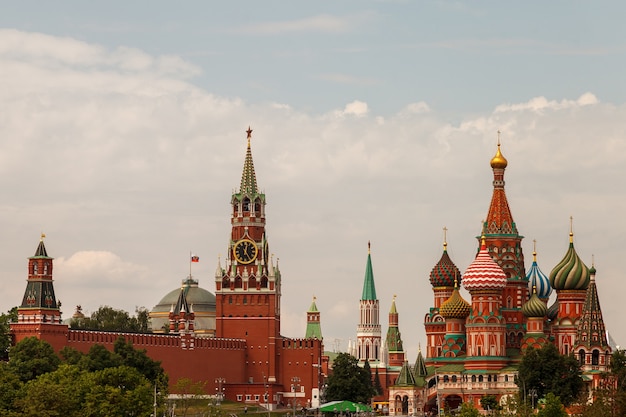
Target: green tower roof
{"type": "Point", "coordinates": [369, 289]}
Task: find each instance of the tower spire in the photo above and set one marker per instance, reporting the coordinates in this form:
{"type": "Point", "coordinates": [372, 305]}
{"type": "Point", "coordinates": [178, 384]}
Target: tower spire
{"type": "Point", "coordinates": [248, 177]}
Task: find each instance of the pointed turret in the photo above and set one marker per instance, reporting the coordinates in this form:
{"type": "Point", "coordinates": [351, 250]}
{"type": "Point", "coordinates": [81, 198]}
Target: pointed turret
{"type": "Point", "coordinates": [369, 331]}
{"type": "Point", "coordinates": [313, 327]}
{"type": "Point", "coordinates": [592, 345]}
{"type": "Point", "coordinates": [406, 377]}
{"type": "Point", "coordinates": [499, 219]}
{"type": "Point", "coordinates": [248, 177]}
{"type": "Point", "coordinates": [393, 342]}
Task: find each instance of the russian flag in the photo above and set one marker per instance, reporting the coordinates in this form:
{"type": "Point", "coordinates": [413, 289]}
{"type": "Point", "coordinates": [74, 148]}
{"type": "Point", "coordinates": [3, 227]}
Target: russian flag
{"type": "Point", "coordinates": [195, 258]}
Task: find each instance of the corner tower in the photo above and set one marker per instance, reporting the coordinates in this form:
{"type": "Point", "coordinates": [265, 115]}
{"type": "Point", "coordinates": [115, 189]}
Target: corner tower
{"type": "Point", "coordinates": [39, 315]}
{"type": "Point", "coordinates": [504, 244]}
{"type": "Point", "coordinates": [248, 287]}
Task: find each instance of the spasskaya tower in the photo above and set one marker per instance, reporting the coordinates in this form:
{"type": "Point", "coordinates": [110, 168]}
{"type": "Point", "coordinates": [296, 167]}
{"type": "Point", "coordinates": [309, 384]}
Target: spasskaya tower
{"type": "Point", "coordinates": [248, 285]}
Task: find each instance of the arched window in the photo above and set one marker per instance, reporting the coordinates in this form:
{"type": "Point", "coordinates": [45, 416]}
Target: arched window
{"type": "Point", "coordinates": [581, 357]}
{"type": "Point", "coordinates": [595, 357]}
{"type": "Point", "coordinates": [246, 204]}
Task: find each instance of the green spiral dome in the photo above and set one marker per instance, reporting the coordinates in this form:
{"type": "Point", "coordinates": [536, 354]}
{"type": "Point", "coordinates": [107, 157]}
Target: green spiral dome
{"type": "Point", "coordinates": [571, 273]}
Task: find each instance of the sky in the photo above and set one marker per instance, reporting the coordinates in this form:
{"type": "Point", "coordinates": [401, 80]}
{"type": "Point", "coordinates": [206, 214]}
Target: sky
{"type": "Point", "coordinates": [122, 138]}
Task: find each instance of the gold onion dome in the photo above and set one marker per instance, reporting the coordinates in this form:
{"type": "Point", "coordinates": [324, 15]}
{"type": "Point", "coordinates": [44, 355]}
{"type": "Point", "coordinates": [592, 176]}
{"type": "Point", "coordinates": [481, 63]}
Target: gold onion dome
{"type": "Point", "coordinates": [571, 273]}
{"type": "Point", "coordinates": [455, 307]}
{"type": "Point", "coordinates": [534, 307]}
{"type": "Point", "coordinates": [445, 271]}
{"type": "Point", "coordinates": [499, 161]}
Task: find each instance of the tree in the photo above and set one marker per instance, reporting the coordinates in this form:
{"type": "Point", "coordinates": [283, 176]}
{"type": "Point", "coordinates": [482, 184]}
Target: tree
{"type": "Point", "coordinates": [468, 410]}
{"type": "Point", "coordinates": [378, 387]}
{"type": "Point", "coordinates": [10, 387]}
{"type": "Point", "coordinates": [188, 392]}
{"type": "Point", "coordinates": [139, 360]}
{"type": "Point", "coordinates": [348, 381]}
{"type": "Point", "coordinates": [553, 407]}
{"type": "Point", "coordinates": [546, 370]}
{"type": "Point", "coordinates": [5, 332]}
{"type": "Point", "coordinates": [489, 402]}
{"type": "Point", "coordinates": [109, 319]}
{"type": "Point", "coordinates": [32, 357]}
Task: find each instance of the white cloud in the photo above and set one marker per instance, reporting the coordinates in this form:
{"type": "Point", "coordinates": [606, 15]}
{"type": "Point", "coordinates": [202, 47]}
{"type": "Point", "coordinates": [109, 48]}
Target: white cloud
{"type": "Point", "coordinates": [129, 166]}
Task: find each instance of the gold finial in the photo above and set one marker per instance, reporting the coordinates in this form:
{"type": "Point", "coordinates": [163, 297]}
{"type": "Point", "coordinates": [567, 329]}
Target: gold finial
{"type": "Point", "coordinates": [534, 250]}
{"type": "Point", "coordinates": [314, 298]}
{"type": "Point", "coordinates": [456, 280]}
{"type": "Point", "coordinates": [43, 236]}
{"type": "Point", "coordinates": [249, 132]}
{"type": "Point", "coordinates": [445, 238]}
{"type": "Point", "coordinates": [499, 161]}
{"type": "Point", "coordinates": [394, 297]}
{"type": "Point", "coordinates": [593, 260]}
{"type": "Point", "coordinates": [369, 247]}
{"type": "Point", "coordinates": [482, 240]}
{"type": "Point", "coordinates": [534, 289]}
{"type": "Point", "coordinates": [571, 229]}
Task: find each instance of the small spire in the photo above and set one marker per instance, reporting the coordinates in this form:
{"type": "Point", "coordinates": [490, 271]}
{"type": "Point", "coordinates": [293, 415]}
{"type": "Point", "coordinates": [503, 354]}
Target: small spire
{"type": "Point", "coordinates": [499, 137]}
{"type": "Point", "coordinates": [534, 250]}
{"type": "Point", "coordinates": [445, 238]}
{"type": "Point", "coordinates": [369, 247]}
{"type": "Point", "coordinates": [249, 132]}
{"type": "Point", "coordinates": [571, 229]}
{"type": "Point", "coordinates": [43, 236]}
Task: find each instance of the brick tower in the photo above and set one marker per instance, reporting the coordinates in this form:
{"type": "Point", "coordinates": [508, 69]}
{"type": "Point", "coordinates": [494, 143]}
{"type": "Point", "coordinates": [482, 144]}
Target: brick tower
{"type": "Point", "coordinates": [248, 287]}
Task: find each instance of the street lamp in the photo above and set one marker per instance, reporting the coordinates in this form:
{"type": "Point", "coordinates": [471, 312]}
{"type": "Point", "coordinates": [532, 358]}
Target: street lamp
{"type": "Point", "coordinates": [219, 390]}
{"type": "Point", "coordinates": [295, 387]}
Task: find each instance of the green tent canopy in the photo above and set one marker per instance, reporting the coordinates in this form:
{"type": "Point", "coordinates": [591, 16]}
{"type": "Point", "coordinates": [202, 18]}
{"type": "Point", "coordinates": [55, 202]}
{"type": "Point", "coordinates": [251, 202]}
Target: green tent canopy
{"type": "Point", "coordinates": [344, 406]}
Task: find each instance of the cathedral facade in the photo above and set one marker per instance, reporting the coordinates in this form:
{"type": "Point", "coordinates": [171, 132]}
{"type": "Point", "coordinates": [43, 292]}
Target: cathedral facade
{"type": "Point", "coordinates": [473, 347]}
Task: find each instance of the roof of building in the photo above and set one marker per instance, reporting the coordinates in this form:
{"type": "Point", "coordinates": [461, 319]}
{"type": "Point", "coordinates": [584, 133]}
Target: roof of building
{"type": "Point", "coordinates": [199, 299]}
{"type": "Point", "coordinates": [484, 273]}
{"type": "Point", "coordinates": [571, 273]}
{"type": "Point", "coordinates": [369, 289]}
{"type": "Point", "coordinates": [445, 272]}
{"type": "Point", "coordinates": [537, 279]}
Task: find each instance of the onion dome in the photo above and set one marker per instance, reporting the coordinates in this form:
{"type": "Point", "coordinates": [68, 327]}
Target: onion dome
{"type": "Point", "coordinates": [534, 307]}
{"type": "Point", "coordinates": [445, 272]}
{"type": "Point", "coordinates": [484, 273]}
{"type": "Point", "coordinates": [499, 161]}
{"type": "Point", "coordinates": [553, 310]}
{"type": "Point", "coordinates": [571, 273]}
{"type": "Point", "coordinates": [538, 281]}
{"type": "Point", "coordinates": [455, 307]}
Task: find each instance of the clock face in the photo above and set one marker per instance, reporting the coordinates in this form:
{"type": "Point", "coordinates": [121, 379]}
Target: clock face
{"type": "Point", "coordinates": [245, 251]}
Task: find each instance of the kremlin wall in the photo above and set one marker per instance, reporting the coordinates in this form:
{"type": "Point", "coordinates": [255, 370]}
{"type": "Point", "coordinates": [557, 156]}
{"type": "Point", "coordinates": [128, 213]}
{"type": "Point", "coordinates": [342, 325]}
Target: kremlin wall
{"type": "Point", "coordinates": [473, 346]}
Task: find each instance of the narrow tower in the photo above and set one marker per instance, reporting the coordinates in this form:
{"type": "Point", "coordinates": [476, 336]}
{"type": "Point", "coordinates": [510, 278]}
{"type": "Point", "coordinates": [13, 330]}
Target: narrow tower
{"type": "Point", "coordinates": [248, 288]}
{"type": "Point", "coordinates": [39, 315]}
{"type": "Point", "coordinates": [393, 342]}
{"type": "Point", "coordinates": [504, 244]}
{"type": "Point", "coordinates": [368, 331]}
{"type": "Point", "coordinates": [592, 347]}
{"type": "Point", "coordinates": [313, 327]}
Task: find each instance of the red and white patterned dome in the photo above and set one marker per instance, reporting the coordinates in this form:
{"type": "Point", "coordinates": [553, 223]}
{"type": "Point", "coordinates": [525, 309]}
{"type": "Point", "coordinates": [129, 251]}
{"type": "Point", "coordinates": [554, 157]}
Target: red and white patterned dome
{"type": "Point", "coordinates": [484, 273]}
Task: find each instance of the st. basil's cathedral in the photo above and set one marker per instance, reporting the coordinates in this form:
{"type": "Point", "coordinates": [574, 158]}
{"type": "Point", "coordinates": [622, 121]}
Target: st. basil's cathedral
{"type": "Point", "coordinates": [232, 339]}
{"type": "Point", "coordinates": [473, 348]}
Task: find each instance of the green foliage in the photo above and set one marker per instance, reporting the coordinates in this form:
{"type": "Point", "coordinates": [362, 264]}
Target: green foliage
{"type": "Point", "coordinates": [10, 386]}
{"type": "Point", "coordinates": [489, 402]}
{"type": "Point", "coordinates": [348, 381]}
{"type": "Point", "coordinates": [552, 408]}
{"type": "Point", "coordinates": [32, 357]}
{"type": "Point", "coordinates": [378, 387]}
{"type": "Point", "coordinates": [547, 371]}
{"type": "Point", "coordinates": [468, 410]}
{"type": "Point", "coordinates": [189, 392]}
{"type": "Point", "coordinates": [139, 360]}
{"type": "Point", "coordinates": [5, 332]}
{"type": "Point", "coordinates": [109, 319]}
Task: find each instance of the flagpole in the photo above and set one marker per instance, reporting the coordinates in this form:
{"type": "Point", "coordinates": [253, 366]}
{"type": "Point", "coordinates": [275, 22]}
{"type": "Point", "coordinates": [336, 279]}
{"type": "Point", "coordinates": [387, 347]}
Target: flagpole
{"type": "Point", "coordinates": [190, 264]}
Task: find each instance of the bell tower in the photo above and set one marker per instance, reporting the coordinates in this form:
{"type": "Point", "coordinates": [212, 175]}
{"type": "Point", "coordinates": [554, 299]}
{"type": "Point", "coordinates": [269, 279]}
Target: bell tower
{"type": "Point", "coordinates": [248, 286]}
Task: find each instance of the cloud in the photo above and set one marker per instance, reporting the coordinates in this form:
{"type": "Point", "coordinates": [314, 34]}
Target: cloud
{"type": "Point", "coordinates": [127, 166]}
{"type": "Point", "coordinates": [321, 23]}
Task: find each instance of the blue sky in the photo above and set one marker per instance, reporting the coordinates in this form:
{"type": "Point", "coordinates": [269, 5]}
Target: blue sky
{"type": "Point", "coordinates": [122, 137]}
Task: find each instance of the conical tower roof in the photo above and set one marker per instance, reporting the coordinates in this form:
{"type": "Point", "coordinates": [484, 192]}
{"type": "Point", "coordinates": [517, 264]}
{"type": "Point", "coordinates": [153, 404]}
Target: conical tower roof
{"type": "Point", "coordinates": [369, 289]}
{"type": "Point", "coordinates": [41, 251]}
{"type": "Point", "coordinates": [571, 273]}
{"type": "Point", "coordinates": [248, 177]}
{"type": "Point", "coordinates": [394, 339]}
{"type": "Point", "coordinates": [313, 325]}
{"type": "Point", "coordinates": [538, 280]}
{"type": "Point", "coordinates": [406, 377]}
{"type": "Point", "coordinates": [484, 273]}
{"type": "Point", "coordinates": [499, 218]}
{"type": "Point", "coordinates": [591, 331]}
{"type": "Point", "coordinates": [445, 272]}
